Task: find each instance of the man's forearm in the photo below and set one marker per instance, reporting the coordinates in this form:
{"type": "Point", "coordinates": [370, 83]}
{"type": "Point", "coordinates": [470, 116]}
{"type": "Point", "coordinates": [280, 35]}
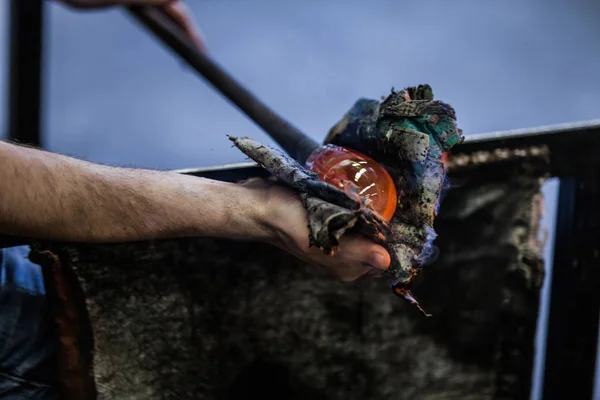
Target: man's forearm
{"type": "Point", "coordinates": [50, 196]}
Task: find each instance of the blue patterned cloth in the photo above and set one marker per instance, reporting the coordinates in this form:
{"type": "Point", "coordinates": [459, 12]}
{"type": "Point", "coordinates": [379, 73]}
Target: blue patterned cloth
{"type": "Point", "coordinates": [27, 343]}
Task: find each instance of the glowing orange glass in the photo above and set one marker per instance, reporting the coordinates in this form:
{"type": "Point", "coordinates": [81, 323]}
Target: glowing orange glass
{"type": "Point", "coordinates": [337, 165]}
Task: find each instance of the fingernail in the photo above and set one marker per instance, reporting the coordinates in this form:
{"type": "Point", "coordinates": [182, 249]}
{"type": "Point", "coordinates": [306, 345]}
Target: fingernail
{"type": "Point", "coordinates": [377, 260]}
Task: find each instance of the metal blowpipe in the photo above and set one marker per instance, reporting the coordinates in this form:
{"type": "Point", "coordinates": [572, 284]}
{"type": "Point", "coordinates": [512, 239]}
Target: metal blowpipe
{"type": "Point", "coordinates": [296, 143]}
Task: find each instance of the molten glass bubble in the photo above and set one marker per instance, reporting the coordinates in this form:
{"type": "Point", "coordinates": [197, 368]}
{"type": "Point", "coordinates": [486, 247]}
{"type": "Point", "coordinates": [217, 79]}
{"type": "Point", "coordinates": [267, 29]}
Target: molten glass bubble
{"type": "Point", "coordinates": [340, 166]}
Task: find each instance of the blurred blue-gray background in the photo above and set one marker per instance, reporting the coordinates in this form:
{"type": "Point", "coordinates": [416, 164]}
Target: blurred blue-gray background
{"type": "Point", "coordinates": [113, 95]}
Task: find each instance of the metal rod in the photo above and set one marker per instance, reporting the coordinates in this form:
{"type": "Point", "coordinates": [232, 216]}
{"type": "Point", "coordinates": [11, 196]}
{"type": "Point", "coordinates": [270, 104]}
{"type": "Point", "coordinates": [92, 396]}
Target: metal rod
{"type": "Point", "coordinates": [25, 66]}
{"type": "Point", "coordinates": [296, 143]}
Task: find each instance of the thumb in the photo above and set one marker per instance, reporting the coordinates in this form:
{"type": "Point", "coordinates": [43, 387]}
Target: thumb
{"type": "Point", "coordinates": [379, 258]}
{"type": "Point", "coordinates": [365, 252]}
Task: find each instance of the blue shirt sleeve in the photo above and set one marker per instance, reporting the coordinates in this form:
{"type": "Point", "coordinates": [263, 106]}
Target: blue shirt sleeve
{"type": "Point", "coordinates": [16, 270]}
{"type": "Point", "coordinates": [28, 342]}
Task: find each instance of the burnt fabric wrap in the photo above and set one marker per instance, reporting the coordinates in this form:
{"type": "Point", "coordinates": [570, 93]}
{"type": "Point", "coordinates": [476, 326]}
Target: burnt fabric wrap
{"type": "Point", "coordinates": [407, 134]}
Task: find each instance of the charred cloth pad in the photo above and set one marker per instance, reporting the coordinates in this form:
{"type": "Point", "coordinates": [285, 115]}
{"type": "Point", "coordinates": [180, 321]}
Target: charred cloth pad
{"type": "Point", "coordinates": [407, 134]}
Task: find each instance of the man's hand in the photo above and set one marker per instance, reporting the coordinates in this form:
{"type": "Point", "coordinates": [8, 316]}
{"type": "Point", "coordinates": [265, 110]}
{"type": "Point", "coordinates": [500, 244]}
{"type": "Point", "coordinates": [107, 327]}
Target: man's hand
{"type": "Point", "coordinates": [175, 9]}
{"type": "Point", "coordinates": [285, 214]}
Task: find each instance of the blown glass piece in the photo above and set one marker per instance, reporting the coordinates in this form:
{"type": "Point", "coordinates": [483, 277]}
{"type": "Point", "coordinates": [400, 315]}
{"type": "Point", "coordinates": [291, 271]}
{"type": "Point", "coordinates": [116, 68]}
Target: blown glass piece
{"type": "Point", "coordinates": [352, 171]}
